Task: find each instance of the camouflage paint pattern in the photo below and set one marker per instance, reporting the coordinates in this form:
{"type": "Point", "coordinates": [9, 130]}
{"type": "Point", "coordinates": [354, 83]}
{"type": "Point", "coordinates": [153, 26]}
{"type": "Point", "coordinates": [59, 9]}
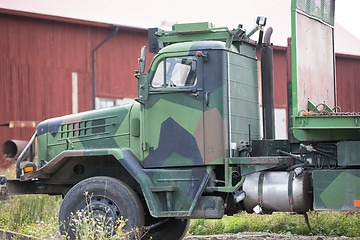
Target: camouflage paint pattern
{"type": "Point", "coordinates": [170, 114]}
{"type": "Point", "coordinates": [336, 189]}
{"type": "Point", "coordinates": [161, 141]}
{"type": "Point", "coordinates": [99, 129]}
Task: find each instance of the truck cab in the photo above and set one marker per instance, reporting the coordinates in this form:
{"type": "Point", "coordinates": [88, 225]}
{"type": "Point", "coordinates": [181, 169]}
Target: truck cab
{"type": "Point", "coordinates": [186, 114]}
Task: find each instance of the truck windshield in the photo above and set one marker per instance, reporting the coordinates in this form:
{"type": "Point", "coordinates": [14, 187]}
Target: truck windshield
{"type": "Point", "coordinates": [176, 72]}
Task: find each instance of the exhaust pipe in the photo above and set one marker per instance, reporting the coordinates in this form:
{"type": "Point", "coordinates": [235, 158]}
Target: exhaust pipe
{"type": "Point", "coordinates": [267, 83]}
{"type": "Point", "coordinates": [11, 149]}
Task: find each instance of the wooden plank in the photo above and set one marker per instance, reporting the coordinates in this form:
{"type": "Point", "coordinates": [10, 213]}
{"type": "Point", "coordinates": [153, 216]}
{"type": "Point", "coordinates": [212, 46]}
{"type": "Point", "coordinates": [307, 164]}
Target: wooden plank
{"type": "Point", "coordinates": [6, 234]}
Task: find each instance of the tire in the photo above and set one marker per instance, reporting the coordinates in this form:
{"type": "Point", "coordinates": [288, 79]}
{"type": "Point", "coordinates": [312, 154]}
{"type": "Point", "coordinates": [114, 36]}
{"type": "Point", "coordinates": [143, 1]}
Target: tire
{"type": "Point", "coordinates": [106, 198]}
{"type": "Point", "coordinates": [169, 229]}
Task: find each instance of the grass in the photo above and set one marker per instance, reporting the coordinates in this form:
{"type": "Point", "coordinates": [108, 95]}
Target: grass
{"type": "Point", "coordinates": [98, 228]}
{"type": "Point", "coordinates": [34, 215]}
{"type": "Point", "coordinates": [93, 225]}
{"type": "Point", "coordinates": [37, 215]}
{"type": "Point", "coordinates": [322, 223]}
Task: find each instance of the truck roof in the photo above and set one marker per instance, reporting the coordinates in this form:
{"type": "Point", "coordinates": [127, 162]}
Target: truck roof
{"type": "Point", "coordinates": [199, 36]}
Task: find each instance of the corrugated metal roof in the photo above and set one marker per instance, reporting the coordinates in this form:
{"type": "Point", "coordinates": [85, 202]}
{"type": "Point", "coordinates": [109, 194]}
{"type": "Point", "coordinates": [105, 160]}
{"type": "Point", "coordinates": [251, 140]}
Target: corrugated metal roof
{"type": "Point", "coordinates": [66, 19]}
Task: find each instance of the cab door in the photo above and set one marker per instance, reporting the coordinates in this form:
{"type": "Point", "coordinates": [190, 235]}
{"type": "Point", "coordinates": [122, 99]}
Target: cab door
{"type": "Point", "coordinates": [173, 114]}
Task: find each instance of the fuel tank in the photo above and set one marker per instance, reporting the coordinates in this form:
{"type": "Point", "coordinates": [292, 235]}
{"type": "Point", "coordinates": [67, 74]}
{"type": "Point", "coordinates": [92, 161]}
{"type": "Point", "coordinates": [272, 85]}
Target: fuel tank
{"type": "Point", "coordinates": [278, 191]}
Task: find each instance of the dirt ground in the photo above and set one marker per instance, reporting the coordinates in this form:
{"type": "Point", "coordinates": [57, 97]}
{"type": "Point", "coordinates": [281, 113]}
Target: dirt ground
{"type": "Point", "coordinates": [262, 236]}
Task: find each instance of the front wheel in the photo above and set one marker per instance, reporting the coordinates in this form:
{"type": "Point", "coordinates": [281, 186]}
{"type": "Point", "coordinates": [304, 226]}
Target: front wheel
{"type": "Point", "coordinates": [169, 229]}
{"type": "Point", "coordinates": [100, 203]}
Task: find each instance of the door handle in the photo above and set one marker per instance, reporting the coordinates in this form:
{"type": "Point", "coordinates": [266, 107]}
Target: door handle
{"type": "Point", "coordinates": [196, 94]}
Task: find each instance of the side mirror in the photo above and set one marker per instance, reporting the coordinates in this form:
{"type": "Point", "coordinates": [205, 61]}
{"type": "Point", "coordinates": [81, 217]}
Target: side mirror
{"type": "Point", "coordinates": [142, 60]}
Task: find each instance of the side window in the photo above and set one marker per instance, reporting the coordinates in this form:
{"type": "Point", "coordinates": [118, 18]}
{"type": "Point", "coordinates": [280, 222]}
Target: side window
{"type": "Point", "coordinates": [176, 72]}
{"type": "Point", "coordinates": [158, 80]}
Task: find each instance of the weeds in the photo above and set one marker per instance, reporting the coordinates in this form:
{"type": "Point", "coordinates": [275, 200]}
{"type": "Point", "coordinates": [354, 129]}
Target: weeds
{"type": "Point", "coordinates": [88, 226]}
{"type": "Point", "coordinates": [34, 215]}
{"type": "Point", "coordinates": [323, 223]}
{"type": "Point", "coordinates": [37, 215]}
{"type": "Point", "coordinates": [96, 225]}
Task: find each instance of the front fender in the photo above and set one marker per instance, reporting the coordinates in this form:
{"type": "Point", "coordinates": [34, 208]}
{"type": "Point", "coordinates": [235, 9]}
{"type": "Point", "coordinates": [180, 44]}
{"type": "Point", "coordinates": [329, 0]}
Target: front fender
{"type": "Point", "coordinates": [124, 156]}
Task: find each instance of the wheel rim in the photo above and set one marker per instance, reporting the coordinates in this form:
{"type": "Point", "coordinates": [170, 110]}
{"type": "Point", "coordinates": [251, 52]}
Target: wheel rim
{"type": "Point", "coordinates": [104, 211]}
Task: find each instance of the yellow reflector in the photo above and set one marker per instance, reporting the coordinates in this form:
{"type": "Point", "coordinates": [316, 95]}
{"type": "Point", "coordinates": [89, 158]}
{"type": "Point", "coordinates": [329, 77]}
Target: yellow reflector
{"type": "Point", "coordinates": [28, 169]}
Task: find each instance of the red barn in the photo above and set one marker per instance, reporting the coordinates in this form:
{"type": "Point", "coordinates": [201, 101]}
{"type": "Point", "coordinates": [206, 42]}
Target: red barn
{"type": "Point", "coordinates": [48, 66]}
{"type": "Point", "coordinates": [44, 60]}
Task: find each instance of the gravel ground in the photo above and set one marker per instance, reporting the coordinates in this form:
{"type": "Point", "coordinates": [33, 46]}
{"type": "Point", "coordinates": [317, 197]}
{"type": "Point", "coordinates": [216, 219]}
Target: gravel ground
{"type": "Point", "coordinates": [237, 236]}
{"type": "Point", "coordinates": [267, 236]}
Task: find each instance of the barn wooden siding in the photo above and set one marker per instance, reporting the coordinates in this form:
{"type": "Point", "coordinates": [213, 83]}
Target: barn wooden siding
{"type": "Point", "coordinates": [280, 75]}
{"type": "Point", "coordinates": [348, 82]}
{"type": "Point", "coordinates": [39, 54]}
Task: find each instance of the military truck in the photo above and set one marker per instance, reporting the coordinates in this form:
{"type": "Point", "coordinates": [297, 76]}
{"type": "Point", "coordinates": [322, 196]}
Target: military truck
{"type": "Point", "coordinates": [190, 146]}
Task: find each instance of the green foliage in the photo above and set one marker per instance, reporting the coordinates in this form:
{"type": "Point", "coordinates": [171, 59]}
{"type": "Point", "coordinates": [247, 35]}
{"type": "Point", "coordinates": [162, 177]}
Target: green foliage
{"type": "Point", "coordinates": [322, 223]}
{"type": "Point", "coordinates": [88, 226]}
{"type": "Point", "coordinates": [96, 225]}
{"type": "Point", "coordinates": [34, 215]}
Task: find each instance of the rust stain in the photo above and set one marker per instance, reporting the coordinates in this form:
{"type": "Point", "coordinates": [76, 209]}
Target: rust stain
{"type": "Point", "coordinates": [264, 161]}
